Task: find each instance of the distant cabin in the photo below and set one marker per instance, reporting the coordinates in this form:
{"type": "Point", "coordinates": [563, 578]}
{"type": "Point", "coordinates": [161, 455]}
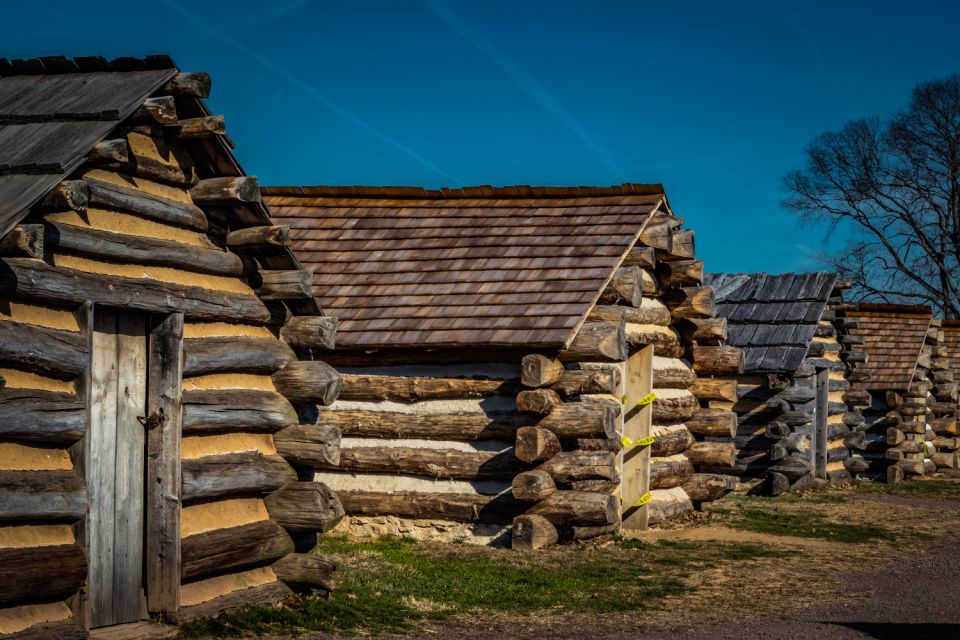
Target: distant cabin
{"type": "Point", "coordinates": [517, 355]}
{"type": "Point", "coordinates": [155, 341]}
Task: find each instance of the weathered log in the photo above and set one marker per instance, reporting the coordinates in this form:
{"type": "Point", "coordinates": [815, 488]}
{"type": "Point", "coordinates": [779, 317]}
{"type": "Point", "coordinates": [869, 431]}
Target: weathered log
{"type": "Point", "coordinates": [945, 460]}
{"type": "Point", "coordinates": [894, 474]}
{"type": "Point", "coordinates": [777, 483]}
{"type": "Point", "coordinates": [667, 504]}
{"type": "Point", "coordinates": [858, 398]}
{"type": "Point", "coordinates": [570, 466]}
{"type": "Point", "coordinates": [42, 495]}
{"type": "Point", "coordinates": [310, 332]}
{"type": "Point", "coordinates": [24, 240]}
{"type": "Point", "coordinates": [308, 570]}
{"type": "Point", "coordinates": [161, 159]}
{"type": "Point", "coordinates": [713, 422]}
{"type": "Point", "coordinates": [269, 594]}
{"type": "Point", "coordinates": [226, 190]}
{"type": "Point", "coordinates": [62, 285]}
{"type": "Point", "coordinates": [597, 342]}
{"type": "Point", "coordinates": [715, 389]}
{"type": "Point", "coordinates": [853, 419]}
{"type": "Point", "coordinates": [459, 507]}
{"type": "Point", "coordinates": [644, 257]}
{"type": "Point", "coordinates": [538, 401]}
{"type": "Point", "coordinates": [535, 444]}
{"type": "Point", "coordinates": [309, 445]}
{"type": "Point", "coordinates": [259, 237]}
{"type": "Point", "coordinates": [308, 382]}
{"type": "Point", "coordinates": [938, 407]}
{"type": "Point", "coordinates": [415, 388]}
{"type": "Point", "coordinates": [674, 405]}
{"type": "Point", "coordinates": [625, 287]}
{"type": "Point", "coordinates": [532, 532]}
{"type": "Point", "coordinates": [664, 340]}
{"type": "Point", "coordinates": [669, 472]}
{"type": "Point", "coordinates": [776, 430]}
{"type": "Point", "coordinates": [945, 426]}
{"type": "Point", "coordinates": [391, 424]}
{"type": "Point", "coordinates": [717, 360]}
{"type": "Point", "coordinates": [578, 508]}
{"type": "Point", "coordinates": [68, 194]}
{"type": "Point", "coordinates": [670, 440]}
{"type": "Point", "coordinates": [703, 330]}
{"type": "Point", "coordinates": [680, 273]}
{"type": "Point", "coordinates": [575, 382]}
{"type": "Point", "coordinates": [650, 311]}
{"type": "Point", "coordinates": [202, 127]}
{"type": "Point", "coordinates": [69, 629]}
{"type": "Point", "coordinates": [856, 464]}
{"type": "Point", "coordinates": [161, 110]}
{"type": "Point", "coordinates": [32, 574]}
{"type": "Point", "coordinates": [126, 248]}
{"type": "Point", "coordinates": [435, 463]}
{"type": "Point", "coordinates": [659, 234]}
{"type": "Point", "coordinates": [533, 485]}
{"type": "Point", "coordinates": [683, 243]}
{"type": "Point", "coordinates": [796, 418]}
{"type": "Point", "coordinates": [132, 200]}
{"type": "Point", "coordinates": [712, 454]}
{"type": "Point", "coordinates": [236, 473]}
{"type": "Point", "coordinates": [585, 419]}
{"type": "Point", "coordinates": [49, 352]}
{"type": "Point", "coordinates": [192, 84]}
{"type": "Point", "coordinates": [233, 549]}
{"type": "Point", "coordinates": [540, 371]}
{"type": "Point", "coordinates": [672, 373]}
{"type": "Point", "coordinates": [33, 415]}
{"type": "Point", "coordinates": [304, 507]}
{"type": "Point", "coordinates": [707, 487]}
{"type": "Point", "coordinates": [792, 467]}
{"type": "Point", "coordinates": [855, 440]}
{"type": "Point", "coordinates": [691, 302]}
{"type": "Point", "coordinates": [895, 436]}
{"type": "Point", "coordinates": [234, 354]}
{"type": "Point", "coordinates": [945, 443]}
{"type": "Point", "coordinates": [293, 284]}
{"type": "Point", "coordinates": [860, 357]}
{"type": "Point", "coordinates": [112, 153]}
{"type": "Point", "coordinates": [225, 410]}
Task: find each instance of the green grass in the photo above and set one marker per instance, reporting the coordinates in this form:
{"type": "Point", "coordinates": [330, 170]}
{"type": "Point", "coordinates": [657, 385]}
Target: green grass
{"type": "Point", "coordinates": [937, 488]}
{"type": "Point", "coordinates": [394, 584]}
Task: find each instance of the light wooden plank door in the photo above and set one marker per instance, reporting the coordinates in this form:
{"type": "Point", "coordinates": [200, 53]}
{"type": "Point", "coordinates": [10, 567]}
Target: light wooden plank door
{"type": "Point", "coordinates": [635, 458]}
{"type": "Point", "coordinates": [115, 466]}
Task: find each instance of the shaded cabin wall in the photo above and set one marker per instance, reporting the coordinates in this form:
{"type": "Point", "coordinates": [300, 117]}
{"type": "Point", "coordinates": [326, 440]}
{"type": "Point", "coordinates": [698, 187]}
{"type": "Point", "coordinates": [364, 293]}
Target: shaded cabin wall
{"type": "Point", "coordinates": [157, 247]}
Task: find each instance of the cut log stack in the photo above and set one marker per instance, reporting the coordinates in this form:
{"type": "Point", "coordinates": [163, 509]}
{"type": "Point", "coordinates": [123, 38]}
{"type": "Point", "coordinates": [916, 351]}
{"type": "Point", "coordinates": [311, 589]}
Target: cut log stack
{"type": "Point", "coordinates": [946, 435]}
{"type": "Point", "coordinates": [148, 224]}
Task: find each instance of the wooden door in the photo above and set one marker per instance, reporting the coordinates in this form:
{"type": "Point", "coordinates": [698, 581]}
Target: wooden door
{"type": "Point", "coordinates": [117, 397]}
{"type": "Point", "coordinates": [635, 458]}
{"type": "Point", "coordinates": [821, 412]}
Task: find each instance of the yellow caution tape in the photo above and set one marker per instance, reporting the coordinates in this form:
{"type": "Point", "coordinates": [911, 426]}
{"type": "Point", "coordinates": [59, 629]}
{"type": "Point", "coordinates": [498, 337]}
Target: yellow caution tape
{"type": "Point", "coordinates": [627, 442]}
{"type": "Point", "coordinates": [647, 399]}
{"type": "Point", "coordinates": [642, 500]}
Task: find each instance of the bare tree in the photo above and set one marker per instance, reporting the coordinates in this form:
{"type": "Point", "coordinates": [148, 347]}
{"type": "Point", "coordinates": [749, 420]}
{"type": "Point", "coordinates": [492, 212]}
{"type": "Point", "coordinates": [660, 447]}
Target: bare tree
{"type": "Point", "coordinates": [896, 184]}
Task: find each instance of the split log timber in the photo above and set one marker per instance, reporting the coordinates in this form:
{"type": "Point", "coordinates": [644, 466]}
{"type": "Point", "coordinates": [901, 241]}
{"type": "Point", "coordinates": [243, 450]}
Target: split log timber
{"type": "Point", "coordinates": [162, 160]}
{"type": "Point", "coordinates": [202, 127]}
{"type": "Point", "coordinates": [121, 247]}
{"type": "Point", "coordinates": [42, 495]}
{"type": "Point", "coordinates": [669, 472]}
{"type": "Point", "coordinates": [651, 311]}
{"type": "Point", "coordinates": [713, 422]}
{"type": "Point", "coordinates": [192, 84]}
{"type": "Point", "coordinates": [112, 153]}
{"type": "Point", "coordinates": [680, 273]}
{"type": "Point", "coordinates": [161, 110]}
{"type": "Point", "coordinates": [578, 508]}
{"type": "Point", "coordinates": [310, 332]}
{"type": "Point", "coordinates": [65, 286]}
{"type": "Point", "coordinates": [570, 466]}
{"type": "Point", "coordinates": [587, 419]}
{"type": "Point", "coordinates": [535, 444]}
{"type": "Point", "coordinates": [307, 570]}
{"type": "Point", "coordinates": [233, 549]}
{"type": "Point", "coordinates": [24, 240]}
{"type": "Point", "coordinates": [49, 352]}
{"type": "Point", "coordinates": [234, 354]}
{"type": "Point", "coordinates": [308, 382]}
{"type": "Point", "coordinates": [777, 483]}
{"type": "Point", "coordinates": [672, 373]}
{"type": "Point", "coordinates": [68, 194]}
{"type": "Point", "coordinates": [248, 473]}
{"type": "Point", "coordinates": [533, 486]}
{"type": "Point", "coordinates": [271, 593]}
{"type": "Point", "coordinates": [226, 190]}
{"type": "Point", "coordinates": [291, 284]}
{"type": "Point", "coordinates": [793, 467]}
{"type": "Point", "coordinates": [466, 507]}
{"type": "Point", "coordinates": [777, 430]}
{"type": "Point", "coordinates": [667, 504]}
{"type": "Point", "coordinates": [309, 444]}
{"type": "Point", "coordinates": [575, 382]}
{"type": "Point", "coordinates": [945, 460]}
{"type": "Point", "coordinates": [414, 389]}
{"type": "Point", "coordinates": [141, 203]}
{"type": "Point", "coordinates": [305, 507]}
{"type": "Point", "coordinates": [670, 440]}
{"type": "Point", "coordinates": [677, 407]}
{"type": "Point", "coordinates": [717, 360]}
{"type": "Point", "coordinates": [683, 243]}
{"type": "Point", "coordinates": [715, 389]}
{"type": "Point", "coordinates": [703, 330]}
{"type": "Point", "coordinates": [33, 415]}
{"type": "Point", "coordinates": [856, 464]}
{"type": "Point", "coordinates": [597, 342]}
{"type": "Point", "coordinates": [32, 574]}
{"type": "Point", "coordinates": [538, 401]}
{"type": "Point", "coordinates": [531, 532]}
{"type": "Point", "coordinates": [715, 454]}
{"type": "Point", "coordinates": [691, 302]}
{"type": "Point", "coordinates": [659, 234]}
{"type": "Point", "coordinates": [434, 463]}
{"type": "Point", "coordinates": [69, 629]}
{"type": "Point", "coordinates": [259, 237]}
{"type": "Point", "coordinates": [227, 410]}
{"type": "Point", "coordinates": [708, 487]}
{"type": "Point", "coordinates": [644, 257]}
{"type": "Point", "coordinates": [665, 341]}
{"type": "Point", "coordinates": [540, 371]}
{"type": "Point", "coordinates": [452, 426]}
{"type": "Point", "coordinates": [625, 287]}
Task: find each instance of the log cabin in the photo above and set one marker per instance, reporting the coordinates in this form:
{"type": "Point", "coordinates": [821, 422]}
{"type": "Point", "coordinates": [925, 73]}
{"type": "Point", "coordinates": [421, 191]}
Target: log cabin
{"type": "Point", "coordinates": [947, 441]}
{"type": "Point", "coordinates": [914, 399]}
{"type": "Point", "coordinates": [512, 356]}
{"type": "Point", "coordinates": [157, 342]}
{"type": "Point", "coordinates": [797, 413]}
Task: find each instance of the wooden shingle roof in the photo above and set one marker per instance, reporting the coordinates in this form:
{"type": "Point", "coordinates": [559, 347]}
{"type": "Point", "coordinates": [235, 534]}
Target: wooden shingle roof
{"type": "Point", "coordinates": [54, 110]}
{"type": "Point", "coordinates": [482, 266]}
{"type": "Point", "coordinates": [893, 338]}
{"type": "Point", "coordinates": [771, 317]}
{"type": "Point", "coordinates": [951, 340]}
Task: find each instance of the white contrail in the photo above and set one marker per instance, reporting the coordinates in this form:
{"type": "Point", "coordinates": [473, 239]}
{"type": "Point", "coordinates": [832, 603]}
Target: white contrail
{"type": "Point", "coordinates": [525, 81]}
{"type": "Point", "coordinates": [308, 89]}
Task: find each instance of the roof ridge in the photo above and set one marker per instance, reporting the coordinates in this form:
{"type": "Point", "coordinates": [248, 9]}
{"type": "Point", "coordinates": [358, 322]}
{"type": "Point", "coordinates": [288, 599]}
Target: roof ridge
{"type": "Point", "coordinates": [51, 65]}
{"type": "Point", "coordinates": [480, 191]}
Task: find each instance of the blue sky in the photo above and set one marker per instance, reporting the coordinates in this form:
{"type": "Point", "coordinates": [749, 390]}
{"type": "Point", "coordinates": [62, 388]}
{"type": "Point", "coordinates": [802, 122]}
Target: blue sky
{"type": "Point", "coordinates": [716, 100]}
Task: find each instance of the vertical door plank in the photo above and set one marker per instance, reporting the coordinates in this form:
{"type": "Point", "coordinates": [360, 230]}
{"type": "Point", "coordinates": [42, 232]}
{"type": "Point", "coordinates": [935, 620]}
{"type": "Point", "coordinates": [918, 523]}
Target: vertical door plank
{"type": "Point", "coordinates": [637, 382]}
{"type": "Point", "coordinates": [163, 466]}
{"type": "Point", "coordinates": [129, 472]}
{"type": "Point", "coordinates": [102, 412]}
{"type": "Point", "coordinates": [820, 417]}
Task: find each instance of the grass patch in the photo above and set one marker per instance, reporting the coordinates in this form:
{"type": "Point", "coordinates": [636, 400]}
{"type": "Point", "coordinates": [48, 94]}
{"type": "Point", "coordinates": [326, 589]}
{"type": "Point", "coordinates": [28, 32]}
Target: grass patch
{"type": "Point", "coordinates": [937, 488]}
{"type": "Point", "coordinates": [394, 584]}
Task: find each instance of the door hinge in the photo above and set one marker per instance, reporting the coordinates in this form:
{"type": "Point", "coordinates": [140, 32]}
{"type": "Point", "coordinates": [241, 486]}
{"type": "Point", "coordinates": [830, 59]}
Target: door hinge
{"type": "Point", "coordinates": [152, 421]}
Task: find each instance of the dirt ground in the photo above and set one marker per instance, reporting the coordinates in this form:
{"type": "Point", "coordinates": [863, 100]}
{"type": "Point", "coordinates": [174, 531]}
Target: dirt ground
{"type": "Point", "coordinates": [816, 589]}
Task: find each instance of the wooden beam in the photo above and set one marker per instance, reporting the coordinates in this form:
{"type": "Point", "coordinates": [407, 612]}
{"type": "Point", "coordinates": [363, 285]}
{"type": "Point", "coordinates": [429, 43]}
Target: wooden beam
{"type": "Point", "coordinates": [234, 473]}
{"type": "Point", "coordinates": [41, 496]}
{"type": "Point", "coordinates": [571, 466]}
{"type": "Point", "coordinates": [34, 415]}
{"type": "Point", "coordinates": [415, 388]}
{"type": "Point", "coordinates": [308, 382]}
{"type": "Point", "coordinates": [683, 243]}
{"type": "Point", "coordinates": [690, 302]}
{"type": "Point", "coordinates": [159, 110]}
{"type": "Point", "coordinates": [235, 354]}
{"type": "Point", "coordinates": [535, 444]}
{"type": "Point", "coordinates": [680, 273]}
{"type": "Point", "coordinates": [132, 200]}
{"type": "Point", "coordinates": [597, 342]}
{"type": "Point", "coordinates": [540, 371]}
{"type": "Point", "coordinates": [112, 153]}
{"type": "Point", "coordinates": [651, 311]}
{"type": "Point", "coordinates": [234, 549]}
{"type": "Point", "coordinates": [459, 507]}
{"type": "Point", "coordinates": [228, 410]}
{"type": "Point", "coordinates": [24, 240]}
{"type": "Point", "coordinates": [285, 285]}
{"type": "Point", "coordinates": [644, 257]}
{"type": "Point", "coordinates": [578, 508]}
{"type": "Point", "coordinates": [533, 485]}
{"type": "Point", "coordinates": [202, 127]}
{"type": "Point", "coordinates": [68, 194]}
{"type": "Point", "coordinates": [717, 360]}
{"type": "Point", "coordinates": [624, 288]}
{"type": "Point", "coordinates": [713, 422]}
{"type": "Point", "coordinates": [434, 463]}
{"type": "Point", "coordinates": [259, 237]}
{"type": "Point", "coordinates": [570, 420]}
{"type": "Point", "coordinates": [192, 84]}
{"type": "Point", "coordinates": [226, 190]}
{"type": "Point", "coordinates": [36, 574]}
{"type": "Point", "coordinates": [452, 426]}
{"type": "Point", "coordinates": [671, 471]}
{"type": "Point", "coordinates": [48, 352]}
{"type": "Point", "coordinates": [531, 532]}
{"type": "Point", "coordinates": [305, 507]}
{"type": "Point", "coordinates": [310, 571]}
{"type": "Point", "coordinates": [309, 445]}
{"type": "Point", "coordinates": [575, 382]}
{"type": "Point", "coordinates": [705, 330]}
{"type": "Point", "coordinates": [310, 332]}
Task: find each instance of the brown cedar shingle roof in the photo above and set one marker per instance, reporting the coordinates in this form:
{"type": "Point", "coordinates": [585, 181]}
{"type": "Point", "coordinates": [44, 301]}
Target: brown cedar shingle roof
{"type": "Point", "coordinates": [488, 266]}
{"type": "Point", "coordinates": [893, 338]}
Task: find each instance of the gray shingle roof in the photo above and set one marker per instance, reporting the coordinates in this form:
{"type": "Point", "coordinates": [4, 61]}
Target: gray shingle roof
{"type": "Point", "coordinates": [771, 317]}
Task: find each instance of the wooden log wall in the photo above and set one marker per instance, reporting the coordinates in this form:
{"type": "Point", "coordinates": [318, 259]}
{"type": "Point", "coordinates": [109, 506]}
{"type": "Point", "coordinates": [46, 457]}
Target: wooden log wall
{"type": "Point", "coordinates": [773, 417]}
{"type": "Point", "coordinates": [147, 227]}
